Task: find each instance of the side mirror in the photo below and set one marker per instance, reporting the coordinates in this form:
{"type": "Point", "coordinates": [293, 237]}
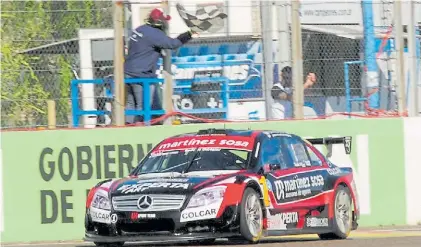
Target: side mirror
{"type": "Point", "coordinates": [267, 168]}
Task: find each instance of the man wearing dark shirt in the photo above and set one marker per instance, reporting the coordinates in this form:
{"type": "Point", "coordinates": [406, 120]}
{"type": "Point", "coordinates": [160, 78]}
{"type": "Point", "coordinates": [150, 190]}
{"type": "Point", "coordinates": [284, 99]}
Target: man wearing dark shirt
{"type": "Point", "coordinates": [145, 47]}
{"type": "Point", "coordinates": [281, 93]}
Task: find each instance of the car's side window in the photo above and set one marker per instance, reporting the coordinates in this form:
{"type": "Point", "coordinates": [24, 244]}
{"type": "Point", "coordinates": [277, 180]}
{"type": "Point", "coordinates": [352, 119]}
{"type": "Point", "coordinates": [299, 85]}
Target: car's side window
{"type": "Point", "coordinates": [314, 159]}
{"type": "Point", "coordinates": [298, 153]}
{"type": "Point", "coordinates": [271, 152]}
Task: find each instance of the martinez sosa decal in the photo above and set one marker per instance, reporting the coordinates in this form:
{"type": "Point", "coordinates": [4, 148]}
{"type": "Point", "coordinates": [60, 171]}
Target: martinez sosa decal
{"type": "Point", "coordinates": [234, 142]}
{"type": "Point", "coordinates": [297, 186]}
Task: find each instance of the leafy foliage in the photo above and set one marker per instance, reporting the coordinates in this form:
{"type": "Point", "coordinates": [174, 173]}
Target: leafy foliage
{"type": "Point", "coordinates": [29, 80]}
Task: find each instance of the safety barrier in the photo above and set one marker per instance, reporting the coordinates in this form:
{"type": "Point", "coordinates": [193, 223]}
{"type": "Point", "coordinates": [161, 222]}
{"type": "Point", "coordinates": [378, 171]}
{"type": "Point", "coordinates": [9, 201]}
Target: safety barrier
{"type": "Point", "coordinates": [148, 112]}
{"type": "Point", "coordinates": [349, 99]}
{"type": "Point", "coordinates": [48, 173]}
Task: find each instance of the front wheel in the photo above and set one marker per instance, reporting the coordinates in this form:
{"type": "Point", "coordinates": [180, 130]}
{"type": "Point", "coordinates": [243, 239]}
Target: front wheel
{"type": "Point", "coordinates": [342, 220]}
{"type": "Point", "coordinates": [117, 244]}
{"type": "Point", "coordinates": [251, 216]}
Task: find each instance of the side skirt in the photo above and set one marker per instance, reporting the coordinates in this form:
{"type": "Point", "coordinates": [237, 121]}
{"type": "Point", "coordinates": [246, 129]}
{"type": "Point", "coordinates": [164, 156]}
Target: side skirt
{"type": "Point", "coordinates": [273, 233]}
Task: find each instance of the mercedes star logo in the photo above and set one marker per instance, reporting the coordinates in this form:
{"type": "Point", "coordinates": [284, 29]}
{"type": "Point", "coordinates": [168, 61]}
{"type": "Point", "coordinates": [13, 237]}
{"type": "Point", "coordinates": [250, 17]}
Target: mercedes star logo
{"type": "Point", "coordinates": [144, 202]}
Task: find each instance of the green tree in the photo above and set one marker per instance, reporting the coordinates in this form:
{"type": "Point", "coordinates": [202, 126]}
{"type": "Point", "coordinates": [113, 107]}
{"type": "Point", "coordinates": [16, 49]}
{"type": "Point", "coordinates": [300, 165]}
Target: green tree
{"type": "Point", "coordinates": [28, 81]}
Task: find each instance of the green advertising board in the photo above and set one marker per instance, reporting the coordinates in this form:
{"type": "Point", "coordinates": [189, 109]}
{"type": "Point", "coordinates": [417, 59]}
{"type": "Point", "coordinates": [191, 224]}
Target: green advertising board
{"type": "Point", "coordinates": [46, 174]}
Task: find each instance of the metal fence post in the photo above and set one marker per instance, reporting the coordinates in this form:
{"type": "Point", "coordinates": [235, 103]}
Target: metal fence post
{"type": "Point", "coordinates": [267, 41]}
{"type": "Point", "coordinates": [412, 63]}
{"type": "Point", "coordinates": [297, 62]}
{"type": "Point", "coordinates": [284, 38]}
{"type": "Point", "coordinates": [52, 120]}
{"type": "Point", "coordinates": [168, 80]}
{"type": "Point", "coordinates": [118, 104]}
{"type": "Point", "coordinates": [400, 56]}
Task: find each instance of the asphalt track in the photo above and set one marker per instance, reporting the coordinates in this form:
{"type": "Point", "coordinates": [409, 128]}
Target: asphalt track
{"type": "Point", "coordinates": [379, 237]}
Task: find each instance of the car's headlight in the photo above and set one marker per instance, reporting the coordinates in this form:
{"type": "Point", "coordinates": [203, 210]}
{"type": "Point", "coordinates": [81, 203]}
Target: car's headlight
{"type": "Point", "coordinates": [101, 201]}
{"type": "Point", "coordinates": [207, 196]}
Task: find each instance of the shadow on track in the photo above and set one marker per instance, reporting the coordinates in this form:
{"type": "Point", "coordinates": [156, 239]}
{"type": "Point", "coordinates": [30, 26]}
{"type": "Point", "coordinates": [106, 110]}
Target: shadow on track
{"type": "Point", "coordinates": [221, 242]}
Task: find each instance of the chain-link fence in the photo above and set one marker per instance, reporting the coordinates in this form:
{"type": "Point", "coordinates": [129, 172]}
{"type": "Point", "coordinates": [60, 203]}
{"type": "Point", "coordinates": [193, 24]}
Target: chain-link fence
{"type": "Point", "coordinates": [40, 56]}
{"type": "Point", "coordinates": [234, 55]}
{"type": "Point", "coordinates": [351, 48]}
{"type": "Point", "coordinates": [43, 50]}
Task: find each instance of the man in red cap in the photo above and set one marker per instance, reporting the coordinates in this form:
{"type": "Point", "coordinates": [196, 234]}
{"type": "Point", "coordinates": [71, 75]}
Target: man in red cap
{"type": "Point", "coordinates": [145, 47]}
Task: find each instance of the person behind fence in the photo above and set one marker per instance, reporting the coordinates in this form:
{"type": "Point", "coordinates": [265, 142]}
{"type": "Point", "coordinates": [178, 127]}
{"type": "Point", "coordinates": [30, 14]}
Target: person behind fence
{"type": "Point", "coordinates": [145, 46]}
{"type": "Point", "coordinates": [281, 93]}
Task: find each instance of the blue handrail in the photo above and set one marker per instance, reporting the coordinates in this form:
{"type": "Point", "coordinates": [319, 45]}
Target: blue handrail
{"type": "Point", "coordinates": [147, 112]}
{"type": "Point", "coordinates": [348, 98]}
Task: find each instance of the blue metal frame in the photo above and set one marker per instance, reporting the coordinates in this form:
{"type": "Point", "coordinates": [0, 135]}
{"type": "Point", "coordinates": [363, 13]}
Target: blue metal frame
{"type": "Point", "coordinates": [348, 98]}
{"type": "Point", "coordinates": [147, 112]}
{"type": "Point", "coordinates": [370, 48]}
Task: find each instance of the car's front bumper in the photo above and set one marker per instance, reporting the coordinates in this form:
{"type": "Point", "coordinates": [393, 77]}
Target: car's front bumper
{"type": "Point", "coordinates": [155, 237]}
{"type": "Point", "coordinates": [164, 226]}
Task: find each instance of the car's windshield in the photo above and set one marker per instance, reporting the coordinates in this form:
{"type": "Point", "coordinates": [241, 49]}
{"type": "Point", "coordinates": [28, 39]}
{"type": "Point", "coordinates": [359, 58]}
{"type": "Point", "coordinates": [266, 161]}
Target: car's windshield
{"type": "Point", "coordinates": [199, 154]}
{"type": "Point", "coordinates": [179, 160]}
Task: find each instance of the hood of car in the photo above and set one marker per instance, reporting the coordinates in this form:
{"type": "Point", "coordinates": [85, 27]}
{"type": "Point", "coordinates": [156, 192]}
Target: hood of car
{"type": "Point", "coordinates": [165, 183]}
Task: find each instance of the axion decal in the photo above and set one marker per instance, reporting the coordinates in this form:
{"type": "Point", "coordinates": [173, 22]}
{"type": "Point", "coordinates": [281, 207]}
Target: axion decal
{"type": "Point", "coordinates": [140, 187]}
{"type": "Point", "coordinates": [334, 171]}
{"type": "Point", "coordinates": [231, 142]}
{"type": "Point", "coordinates": [317, 222]}
{"type": "Point", "coordinates": [296, 186]}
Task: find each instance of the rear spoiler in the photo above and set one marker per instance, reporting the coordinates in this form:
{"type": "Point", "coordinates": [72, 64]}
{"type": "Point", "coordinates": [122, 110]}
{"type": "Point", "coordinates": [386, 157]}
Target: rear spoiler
{"type": "Point", "coordinates": [329, 141]}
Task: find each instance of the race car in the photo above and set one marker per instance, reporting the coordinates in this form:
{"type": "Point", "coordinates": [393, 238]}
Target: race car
{"type": "Point", "coordinates": [224, 183]}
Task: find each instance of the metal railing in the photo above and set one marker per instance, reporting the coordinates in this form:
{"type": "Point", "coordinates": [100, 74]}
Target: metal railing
{"type": "Point", "coordinates": [147, 111]}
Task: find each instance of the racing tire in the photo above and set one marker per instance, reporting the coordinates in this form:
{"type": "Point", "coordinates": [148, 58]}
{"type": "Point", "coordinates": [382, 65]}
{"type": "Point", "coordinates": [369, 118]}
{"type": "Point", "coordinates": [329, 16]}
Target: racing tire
{"type": "Point", "coordinates": [117, 244]}
{"type": "Point", "coordinates": [342, 219]}
{"type": "Point", "coordinates": [251, 216]}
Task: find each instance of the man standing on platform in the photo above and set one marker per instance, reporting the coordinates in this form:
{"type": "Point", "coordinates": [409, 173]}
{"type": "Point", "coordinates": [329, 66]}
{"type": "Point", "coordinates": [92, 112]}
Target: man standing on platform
{"type": "Point", "coordinates": [145, 48]}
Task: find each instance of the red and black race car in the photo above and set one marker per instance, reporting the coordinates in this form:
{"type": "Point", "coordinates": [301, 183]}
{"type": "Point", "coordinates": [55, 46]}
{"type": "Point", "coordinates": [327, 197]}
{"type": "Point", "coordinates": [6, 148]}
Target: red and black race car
{"type": "Point", "coordinates": [221, 183]}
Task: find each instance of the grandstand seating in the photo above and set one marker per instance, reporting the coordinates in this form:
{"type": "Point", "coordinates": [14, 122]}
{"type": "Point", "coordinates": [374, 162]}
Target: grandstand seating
{"type": "Point", "coordinates": [215, 52]}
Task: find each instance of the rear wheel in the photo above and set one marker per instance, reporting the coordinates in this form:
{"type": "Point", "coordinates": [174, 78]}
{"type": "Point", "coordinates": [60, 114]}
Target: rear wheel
{"type": "Point", "coordinates": [342, 220]}
{"type": "Point", "coordinates": [251, 216]}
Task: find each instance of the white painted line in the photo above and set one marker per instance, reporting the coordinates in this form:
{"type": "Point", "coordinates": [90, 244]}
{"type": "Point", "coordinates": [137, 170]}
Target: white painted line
{"type": "Point", "coordinates": [412, 140]}
{"type": "Point", "coordinates": [1, 193]}
{"type": "Point", "coordinates": [363, 167]}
